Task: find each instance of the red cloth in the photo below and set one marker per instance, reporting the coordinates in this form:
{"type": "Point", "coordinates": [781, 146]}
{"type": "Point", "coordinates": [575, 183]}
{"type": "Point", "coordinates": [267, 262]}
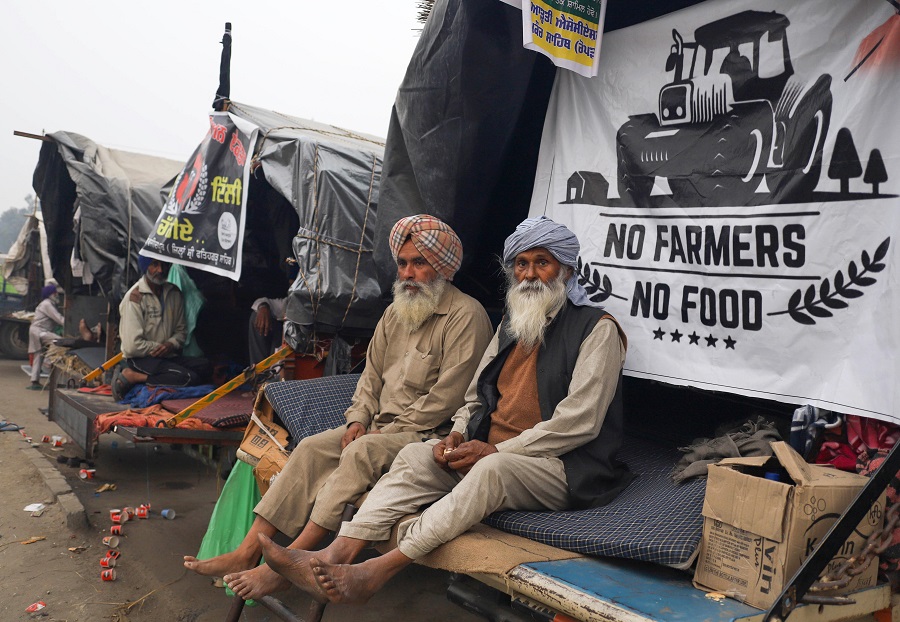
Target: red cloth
{"type": "Point", "coordinates": [145, 417]}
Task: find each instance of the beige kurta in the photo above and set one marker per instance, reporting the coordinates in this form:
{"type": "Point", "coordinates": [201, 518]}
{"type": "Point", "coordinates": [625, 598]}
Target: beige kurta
{"type": "Point", "coordinates": [412, 384]}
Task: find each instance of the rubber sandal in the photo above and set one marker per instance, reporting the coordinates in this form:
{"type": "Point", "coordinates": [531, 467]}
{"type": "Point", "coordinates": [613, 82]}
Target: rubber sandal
{"type": "Point", "coordinates": [9, 427]}
{"type": "Point", "coordinates": [35, 387]}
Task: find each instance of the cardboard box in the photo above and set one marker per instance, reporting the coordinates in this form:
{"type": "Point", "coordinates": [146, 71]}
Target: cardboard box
{"type": "Point", "coordinates": [757, 532]}
{"type": "Point", "coordinates": [257, 443]}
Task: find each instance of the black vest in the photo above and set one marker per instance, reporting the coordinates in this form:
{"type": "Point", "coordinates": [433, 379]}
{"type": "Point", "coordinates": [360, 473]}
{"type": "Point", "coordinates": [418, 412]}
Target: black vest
{"type": "Point", "coordinates": [593, 474]}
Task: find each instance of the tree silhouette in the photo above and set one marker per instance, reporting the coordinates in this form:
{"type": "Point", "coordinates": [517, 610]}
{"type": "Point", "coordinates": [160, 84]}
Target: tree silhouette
{"type": "Point", "coordinates": [845, 163]}
{"type": "Point", "coordinates": [875, 171]}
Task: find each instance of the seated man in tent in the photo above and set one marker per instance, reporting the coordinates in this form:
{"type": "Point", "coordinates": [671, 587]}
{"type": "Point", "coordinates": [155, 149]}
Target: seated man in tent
{"type": "Point", "coordinates": [43, 331]}
{"type": "Point", "coordinates": [540, 430]}
{"type": "Point", "coordinates": [265, 334]}
{"type": "Point", "coordinates": [153, 330]}
{"type": "Point", "coordinates": [419, 362]}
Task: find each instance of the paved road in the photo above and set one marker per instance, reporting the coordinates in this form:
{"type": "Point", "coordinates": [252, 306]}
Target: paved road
{"type": "Point", "coordinates": [150, 565]}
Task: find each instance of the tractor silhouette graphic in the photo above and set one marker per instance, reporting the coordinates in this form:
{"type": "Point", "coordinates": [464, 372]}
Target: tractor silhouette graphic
{"type": "Point", "coordinates": [734, 126]}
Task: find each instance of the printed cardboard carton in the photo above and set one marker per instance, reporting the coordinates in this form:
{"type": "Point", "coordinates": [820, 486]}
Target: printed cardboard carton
{"type": "Point", "coordinates": [758, 530]}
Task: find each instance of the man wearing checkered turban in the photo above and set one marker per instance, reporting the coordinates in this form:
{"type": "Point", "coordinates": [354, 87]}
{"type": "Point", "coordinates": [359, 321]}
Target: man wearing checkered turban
{"type": "Point", "coordinates": [433, 238]}
{"type": "Point", "coordinates": [419, 363]}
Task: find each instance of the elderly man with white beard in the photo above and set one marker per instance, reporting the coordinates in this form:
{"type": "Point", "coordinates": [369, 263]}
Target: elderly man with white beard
{"type": "Point", "coordinates": [540, 429]}
{"type": "Point", "coordinates": [419, 362]}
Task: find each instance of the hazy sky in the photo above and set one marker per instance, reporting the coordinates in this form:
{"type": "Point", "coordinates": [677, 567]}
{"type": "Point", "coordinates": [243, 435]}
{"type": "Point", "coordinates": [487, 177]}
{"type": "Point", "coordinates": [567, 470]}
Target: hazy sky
{"type": "Point", "coordinates": [142, 76]}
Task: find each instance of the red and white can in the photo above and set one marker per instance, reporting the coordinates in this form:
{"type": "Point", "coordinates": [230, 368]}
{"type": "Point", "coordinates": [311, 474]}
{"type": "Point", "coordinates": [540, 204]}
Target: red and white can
{"type": "Point", "coordinates": [87, 473]}
{"type": "Point", "coordinates": [129, 512]}
{"type": "Point", "coordinates": [108, 574]}
{"type": "Point", "coordinates": [107, 562]}
{"type": "Point", "coordinates": [142, 512]}
{"type": "Point", "coordinates": [113, 554]}
{"type": "Point", "coordinates": [116, 530]}
{"type": "Point", "coordinates": [45, 438]}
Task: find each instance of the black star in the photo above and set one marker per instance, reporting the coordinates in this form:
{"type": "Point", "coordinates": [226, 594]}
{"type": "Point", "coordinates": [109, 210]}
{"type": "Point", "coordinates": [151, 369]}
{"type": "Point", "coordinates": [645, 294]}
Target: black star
{"type": "Point", "coordinates": [695, 338]}
{"type": "Point", "coordinates": [658, 334]}
{"type": "Point", "coordinates": [710, 341]}
{"type": "Point", "coordinates": [676, 336]}
{"type": "Point", "coordinates": [729, 342]}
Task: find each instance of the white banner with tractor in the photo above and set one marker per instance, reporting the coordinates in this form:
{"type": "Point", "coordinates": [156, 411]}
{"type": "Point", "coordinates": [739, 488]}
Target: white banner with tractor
{"type": "Point", "coordinates": [733, 175]}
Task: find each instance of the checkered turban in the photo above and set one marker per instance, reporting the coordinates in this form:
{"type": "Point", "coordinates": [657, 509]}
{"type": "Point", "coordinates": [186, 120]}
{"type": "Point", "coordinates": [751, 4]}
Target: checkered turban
{"type": "Point", "coordinates": [433, 238]}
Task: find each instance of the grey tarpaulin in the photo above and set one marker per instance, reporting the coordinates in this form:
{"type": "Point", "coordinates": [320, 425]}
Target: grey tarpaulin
{"type": "Point", "coordinates": [331, 177]}
{"type": "Point", "coordinates": [119, 194]}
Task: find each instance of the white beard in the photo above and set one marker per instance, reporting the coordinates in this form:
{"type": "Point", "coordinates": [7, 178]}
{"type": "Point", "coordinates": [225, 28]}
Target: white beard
{"type": "Point", "coordinates": [413, 309]}
{"type": "Point", "coordinates": [528, 304]}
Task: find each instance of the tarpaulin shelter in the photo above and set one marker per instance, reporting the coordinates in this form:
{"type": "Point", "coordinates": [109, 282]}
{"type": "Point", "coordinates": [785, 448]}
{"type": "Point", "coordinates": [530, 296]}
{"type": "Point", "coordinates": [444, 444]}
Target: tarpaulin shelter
{"type": "Point", "coordinates": [263, 187]}
{"type": "Point", "coordinates": [99, 205]}
{"type": "Point", "coordinates": [256, 161]}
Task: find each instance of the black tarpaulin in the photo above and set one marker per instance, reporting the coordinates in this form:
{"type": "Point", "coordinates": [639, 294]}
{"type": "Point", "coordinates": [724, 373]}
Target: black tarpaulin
{"type": "Point", "coordinates": [466, 128]}
{"type": "Point", "coordinates": [118, 194]}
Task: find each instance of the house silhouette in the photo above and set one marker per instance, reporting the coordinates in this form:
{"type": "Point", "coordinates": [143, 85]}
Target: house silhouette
{"type": "Point", "coordinates": [587, 187]}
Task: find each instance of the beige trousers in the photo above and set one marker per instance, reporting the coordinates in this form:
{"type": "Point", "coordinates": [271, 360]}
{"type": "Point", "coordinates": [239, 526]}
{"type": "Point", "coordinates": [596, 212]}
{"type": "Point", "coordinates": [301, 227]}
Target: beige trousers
{"type": "Point", "coordinates": [319, 479]}
{"type": "Point", "coordinates": [500, 481]}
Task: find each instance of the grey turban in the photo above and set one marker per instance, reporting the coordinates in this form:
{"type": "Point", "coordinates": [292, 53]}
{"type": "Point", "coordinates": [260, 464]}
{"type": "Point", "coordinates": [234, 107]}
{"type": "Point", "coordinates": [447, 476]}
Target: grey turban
{"type": "Point", "coordinates": [558, 240]}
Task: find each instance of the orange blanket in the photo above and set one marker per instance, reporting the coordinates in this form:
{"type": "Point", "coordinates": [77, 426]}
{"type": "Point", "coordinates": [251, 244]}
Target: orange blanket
{"type": "Point", "coordinates": [145, 417]}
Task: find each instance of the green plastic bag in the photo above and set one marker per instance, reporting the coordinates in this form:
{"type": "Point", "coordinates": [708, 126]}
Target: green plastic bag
{"type": "Point", "coordinates": [193, 302]}
{"type": "Point", "coordinates": [233, 515]}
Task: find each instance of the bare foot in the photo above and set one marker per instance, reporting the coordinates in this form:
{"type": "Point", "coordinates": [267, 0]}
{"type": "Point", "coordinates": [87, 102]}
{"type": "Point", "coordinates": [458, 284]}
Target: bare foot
{"type": "Point", "coordinates": [220, 565]}
{"type": "Point", "coordinates": [84, 331]}
{"type": "Point", "coordinates": [293, 565]}
{"type": "Point", "coordinates": [351, 584]}
{"type": "Point", "coordinates": [256, 582]}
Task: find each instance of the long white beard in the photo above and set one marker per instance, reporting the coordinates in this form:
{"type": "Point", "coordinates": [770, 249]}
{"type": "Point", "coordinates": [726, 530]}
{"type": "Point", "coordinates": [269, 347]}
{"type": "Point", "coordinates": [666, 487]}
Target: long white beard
{"type": "Point", "coordinates": [413, 309]}
{"type": "Point", "coordinates": [528, 304]}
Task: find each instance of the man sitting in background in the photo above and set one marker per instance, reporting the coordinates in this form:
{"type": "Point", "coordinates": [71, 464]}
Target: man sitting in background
{"type": "Point", "coordinates": [153, 330]}
{"type": "Point", "coordinates": [43, 331]}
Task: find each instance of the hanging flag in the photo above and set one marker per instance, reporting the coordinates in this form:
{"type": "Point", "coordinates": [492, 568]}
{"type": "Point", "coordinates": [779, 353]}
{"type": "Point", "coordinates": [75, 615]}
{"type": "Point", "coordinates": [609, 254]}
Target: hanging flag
{"type": "Point", "coordinates": [566, 31]}
{"type": "Point", "coordinates": [202, 222]}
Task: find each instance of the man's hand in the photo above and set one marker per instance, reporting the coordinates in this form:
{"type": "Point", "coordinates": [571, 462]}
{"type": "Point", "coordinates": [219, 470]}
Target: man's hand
{"type": "Point", "coordinates": [464, 457]}
{"type": "Point", "coordinates": [135, 296]}
{"type": "Point", "coordinates": [354, 431]}
{"type": "Point", "coordinates": [451, 442]}
{"type": "Point", "coordinates": [263, 322]}
{"type": "Point", "coordinates": [163, 349]}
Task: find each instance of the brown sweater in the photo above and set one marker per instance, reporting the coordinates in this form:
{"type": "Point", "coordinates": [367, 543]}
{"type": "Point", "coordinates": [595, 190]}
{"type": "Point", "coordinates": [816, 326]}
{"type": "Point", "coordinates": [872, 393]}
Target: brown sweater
{"type": "Point", "coordinates": [518, 408]}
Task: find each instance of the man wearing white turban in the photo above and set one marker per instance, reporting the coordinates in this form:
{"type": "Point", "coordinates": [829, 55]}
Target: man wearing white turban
{"type": "Point", "coordinates": [540, 429]}
{"type": "Point", "coordinates": [419, 362]}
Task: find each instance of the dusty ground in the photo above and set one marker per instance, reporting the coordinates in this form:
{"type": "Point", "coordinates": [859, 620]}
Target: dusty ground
{"type": "Point", "coordinates": [151, 583]}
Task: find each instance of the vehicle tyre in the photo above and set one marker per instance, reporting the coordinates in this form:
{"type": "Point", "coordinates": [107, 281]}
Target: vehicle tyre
{"type": "Point", "coordinates": [14, 340]}
{"type": "Point", "coordinates": [807, 127]}
{"type": "Point", "coordinates": [731, 174]}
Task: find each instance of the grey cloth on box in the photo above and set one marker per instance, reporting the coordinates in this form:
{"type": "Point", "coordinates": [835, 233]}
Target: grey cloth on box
{"type": "Point", "coordinates": [752, 438]}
